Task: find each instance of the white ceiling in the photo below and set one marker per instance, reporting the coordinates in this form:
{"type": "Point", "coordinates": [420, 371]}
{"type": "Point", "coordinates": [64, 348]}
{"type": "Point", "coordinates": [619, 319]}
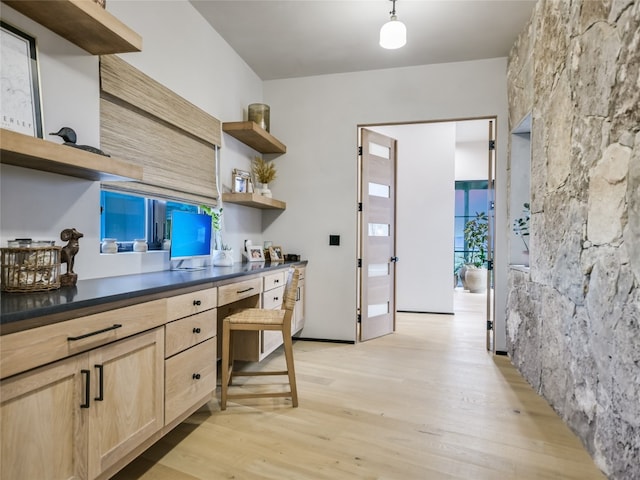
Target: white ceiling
{"type": "Point", "coordinates": [297, 38]}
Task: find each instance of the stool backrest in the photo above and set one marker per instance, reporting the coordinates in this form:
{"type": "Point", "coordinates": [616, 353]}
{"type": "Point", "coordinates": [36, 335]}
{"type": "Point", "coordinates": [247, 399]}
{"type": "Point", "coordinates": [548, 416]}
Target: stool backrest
{"type": "Point", "coordinates": [291, 289]}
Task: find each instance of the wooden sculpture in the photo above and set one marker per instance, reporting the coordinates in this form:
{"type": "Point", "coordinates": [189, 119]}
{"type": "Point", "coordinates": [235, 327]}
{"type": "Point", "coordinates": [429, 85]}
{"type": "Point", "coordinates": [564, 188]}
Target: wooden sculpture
{"type": "Point", "coordinates": [69, 251]}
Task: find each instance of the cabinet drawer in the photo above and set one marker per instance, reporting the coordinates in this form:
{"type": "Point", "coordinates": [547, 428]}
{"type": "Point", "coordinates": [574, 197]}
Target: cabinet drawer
{"type": "Point", "coordinates": [187, 332]}
{"type": "Point", "coordinates": [191, 303]}
{"type": "Point", "coordinates": [272, 281]}
{"type": "Point", "coordinates": [273, 298]}
{"type": "Point", "coordinates": [28, 349]}
{"type": "Point", "coordinates": [239, 290]}
{"type": "Point", "coordinates": [189, 377]}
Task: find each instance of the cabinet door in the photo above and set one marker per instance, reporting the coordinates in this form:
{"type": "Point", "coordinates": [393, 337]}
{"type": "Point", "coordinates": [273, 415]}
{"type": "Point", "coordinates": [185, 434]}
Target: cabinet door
{"type": "Point", "coordinates": [297, 321]}
{"type": "Point", "coordinates": [128, 392]}
{"type": "Point", "coordinates": [44, 432]}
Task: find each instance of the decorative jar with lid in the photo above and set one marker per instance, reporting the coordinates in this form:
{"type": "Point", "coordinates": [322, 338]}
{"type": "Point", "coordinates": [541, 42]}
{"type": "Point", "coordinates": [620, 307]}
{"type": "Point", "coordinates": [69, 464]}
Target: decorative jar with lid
{"type": "Point", "coordinates": [139, 245]}
{"type": "Point", "coordinates": [109, 245]}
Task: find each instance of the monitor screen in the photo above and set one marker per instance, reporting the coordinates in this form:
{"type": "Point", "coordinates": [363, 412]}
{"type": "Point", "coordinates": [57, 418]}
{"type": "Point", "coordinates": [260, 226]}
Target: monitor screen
{"type": "Point", "coordinates": [190, 235]}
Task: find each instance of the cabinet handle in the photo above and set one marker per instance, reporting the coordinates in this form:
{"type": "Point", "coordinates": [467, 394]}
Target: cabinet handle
{"type": "Point", "coordinates": [100, 396]}
{"type": "Point", "coordinates": [196, 376]}
{"type": "Point", "coordinates": [197, 303]}
{"type": "Point", "coordinates": [80, 337]}
{"type": "Point", "coordinates": [87, 388]}
{"type": "Point", "coordinates": [245, 290]}
{"type": "Point", "coordinates": [196, 330]}
{"type": "Point", "coordinates": [277, 280]}
{"type": "Point", "coordinates": [275, 299]}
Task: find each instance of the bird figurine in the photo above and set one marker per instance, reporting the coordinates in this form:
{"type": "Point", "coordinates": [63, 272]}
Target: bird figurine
{"type": "Point", "coordinates": [68, 134]}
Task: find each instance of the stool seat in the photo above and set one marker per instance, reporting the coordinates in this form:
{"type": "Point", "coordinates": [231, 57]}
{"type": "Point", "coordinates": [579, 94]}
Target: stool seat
{"type": "Point", "coordinates": [258, 319]}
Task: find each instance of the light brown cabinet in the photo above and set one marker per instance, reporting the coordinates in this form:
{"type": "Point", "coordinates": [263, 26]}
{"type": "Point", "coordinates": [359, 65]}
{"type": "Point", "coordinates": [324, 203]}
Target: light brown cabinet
{"type": "Point", "coordinates": [297, 322]}
{"type": "Point", "coordinates": [190, 352]}
{"type": "Point", "coordinates": [79, 417]}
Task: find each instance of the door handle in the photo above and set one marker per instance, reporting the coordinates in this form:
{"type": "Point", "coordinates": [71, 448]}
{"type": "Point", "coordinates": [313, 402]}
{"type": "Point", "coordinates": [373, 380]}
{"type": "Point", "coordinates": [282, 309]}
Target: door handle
{"type": "Point", "coordinates": [394, 259]}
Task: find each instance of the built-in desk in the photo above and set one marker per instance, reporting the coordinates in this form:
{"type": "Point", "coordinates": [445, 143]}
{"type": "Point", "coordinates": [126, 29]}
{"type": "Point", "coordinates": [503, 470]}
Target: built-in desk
{"type": "Point", "coordinates": [93, 375]}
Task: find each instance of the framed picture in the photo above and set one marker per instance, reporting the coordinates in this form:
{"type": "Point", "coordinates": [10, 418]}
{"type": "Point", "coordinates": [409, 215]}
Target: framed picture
{"type": "Point", "coordinates": [20, 107]}
{"type": "Point", "coordinates": [275, 254]}
{"type": "Point", "coordinates": [241, 181]}
{"type": "Point", "coordinates": [255, 253]}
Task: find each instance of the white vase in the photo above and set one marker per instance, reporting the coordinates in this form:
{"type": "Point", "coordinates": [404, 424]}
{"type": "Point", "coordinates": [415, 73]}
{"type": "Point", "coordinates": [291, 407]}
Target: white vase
{"type": "Point", "coordinates": [223, 258]}
{"type": "Point", "coordinates": [476, 279]}
{"type": "Point", "coordinates": [264, 190]}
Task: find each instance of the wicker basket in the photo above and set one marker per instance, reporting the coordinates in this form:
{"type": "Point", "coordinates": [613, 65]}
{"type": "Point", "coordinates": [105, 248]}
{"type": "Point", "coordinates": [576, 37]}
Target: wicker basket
{"type": "Point", "coordinates": [30, 269]}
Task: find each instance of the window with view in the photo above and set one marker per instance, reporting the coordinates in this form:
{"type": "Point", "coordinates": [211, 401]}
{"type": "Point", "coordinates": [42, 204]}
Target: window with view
{"type": "Point", "coordinates": [129, 217]}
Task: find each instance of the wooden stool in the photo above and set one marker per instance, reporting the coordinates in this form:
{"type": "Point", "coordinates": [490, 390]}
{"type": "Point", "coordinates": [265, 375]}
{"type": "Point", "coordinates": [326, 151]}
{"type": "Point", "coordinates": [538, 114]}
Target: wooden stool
{"type": "Point", "coordinates": [261, 319]}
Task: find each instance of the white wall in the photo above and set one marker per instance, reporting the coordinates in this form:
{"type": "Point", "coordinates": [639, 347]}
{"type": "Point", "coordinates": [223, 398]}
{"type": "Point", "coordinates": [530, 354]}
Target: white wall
{"type": "Point", "coordinates": [317, 118]}
{"type": "Point", "coordinates": [471, 160]}
{"type": "Point", "coordinates": [181, 51]}
{"type": "Point", "coordinates": [425, 215]}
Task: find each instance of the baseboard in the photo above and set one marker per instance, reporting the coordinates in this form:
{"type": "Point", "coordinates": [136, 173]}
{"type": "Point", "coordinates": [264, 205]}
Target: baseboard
{"type": "Point", "coordinates": [429, 313]}
{"type": "Point", "coordinates": [326, 340]}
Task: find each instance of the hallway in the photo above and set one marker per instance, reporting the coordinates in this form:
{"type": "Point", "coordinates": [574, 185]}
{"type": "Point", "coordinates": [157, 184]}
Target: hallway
{"type": "Point", "coordinates": [427, 402]}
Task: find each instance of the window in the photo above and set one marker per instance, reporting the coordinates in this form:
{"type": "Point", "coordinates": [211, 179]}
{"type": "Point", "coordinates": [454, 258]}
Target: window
{"type": "Point", "coordinates": [128, 217]}
{"type": "Point", "coordinates": [471, 197]}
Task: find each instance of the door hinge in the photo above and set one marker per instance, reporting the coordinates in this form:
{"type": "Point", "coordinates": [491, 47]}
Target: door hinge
{"type": "Point", "coordinates": [489, 325]}
{"type": "Point", "coordinates": [359, 263]}
{"type": "Point", "coordinates": [492, 144]}
{"type": "Point", "coordinates": [360, 151]}
{"type": "Point", "coordinates": [359, 318]}
{"type": "Point", "coordinates": [489, 265]}
{"type": "Point", "coordinates": [359, 206]}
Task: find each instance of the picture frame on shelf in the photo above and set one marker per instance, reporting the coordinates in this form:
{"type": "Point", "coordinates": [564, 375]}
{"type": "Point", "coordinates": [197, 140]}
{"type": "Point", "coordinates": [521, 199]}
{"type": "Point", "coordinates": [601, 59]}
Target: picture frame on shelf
{"type": "Point", "coordinates": [255, 253]}
{"type": "Point", "coordinates": [275, 254]}
{"type": "Point", "coordinates": [241, 181]}
{"type": "Point", "coordinates": [20, 102]}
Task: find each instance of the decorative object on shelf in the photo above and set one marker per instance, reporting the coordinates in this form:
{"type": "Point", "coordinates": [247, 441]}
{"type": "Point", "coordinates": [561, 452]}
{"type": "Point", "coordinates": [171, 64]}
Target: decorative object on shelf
{"type": "Point", "coordinates": [475, 235]}
{"type": "Point", "coordinates": [69, 252]}
{"type": "Point", "coordinates": [264, 172]}
{"type": "Point", "coordinates": [20, 103]}
{"type": "Point", "coordinates": [255, 253]}
{"type": "Point", "coordinates": [393, 34]}
{"type": "Point", "coordinates": [30, 266]}
{"type": "Point", "coordinates": [140, 245]}
{"type": "Point", "coordinates": [260, 114]}
{"type": "Point", "coordinates": [109, 245]}
{"type": "Point", "coordinates": [292, 257]}
{"type": "Point", "coordinates": [68, 134]}
{"type": "Point", "coordinates": [521, 225]}
{"type": "Point", "coordinates": [241, 181]}
{"type": "Point", "coordinates": [275, 254]}
{"type": "Point", "coordinates": [102, 3]}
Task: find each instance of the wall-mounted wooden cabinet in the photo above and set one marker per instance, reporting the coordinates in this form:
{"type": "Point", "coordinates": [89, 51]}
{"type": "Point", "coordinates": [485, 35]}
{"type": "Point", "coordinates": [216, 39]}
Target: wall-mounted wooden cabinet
{"type": "Point", "coordinates": [36, 153]}
{"type": "Point", "coordinates": [256, 137]}
{"type": "Point", "coordinates": [83, 23]}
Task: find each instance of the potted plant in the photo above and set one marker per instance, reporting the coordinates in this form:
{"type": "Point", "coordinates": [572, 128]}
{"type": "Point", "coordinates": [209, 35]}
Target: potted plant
{"type": "Point", "coordinates": [476, 234]}
{"type": "Point", "coordinates": [222, 253]}
{"type": "Point", "coordinates": [521, 225]}
{"type": "Point", "coordinates": [264, 173]}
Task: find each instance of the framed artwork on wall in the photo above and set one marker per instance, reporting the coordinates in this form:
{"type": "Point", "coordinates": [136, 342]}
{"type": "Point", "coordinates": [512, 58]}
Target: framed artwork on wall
{"type": "Point", "coordinates": [20, 103]}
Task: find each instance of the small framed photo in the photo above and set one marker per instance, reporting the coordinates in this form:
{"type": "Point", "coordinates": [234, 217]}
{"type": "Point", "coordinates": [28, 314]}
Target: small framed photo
{"type": "Point", "coordinates": [241, 181]}
{"type": "Point", "coordinates": [20, 105]}
{"type": "Point", "coordinates": [255, 253]}
{"type": "Point", "coordinates": [275, 254]}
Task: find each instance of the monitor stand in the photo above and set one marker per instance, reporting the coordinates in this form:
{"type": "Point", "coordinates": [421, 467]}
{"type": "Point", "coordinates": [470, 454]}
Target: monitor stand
{"type": "Point", "coordinates": [183, 268]}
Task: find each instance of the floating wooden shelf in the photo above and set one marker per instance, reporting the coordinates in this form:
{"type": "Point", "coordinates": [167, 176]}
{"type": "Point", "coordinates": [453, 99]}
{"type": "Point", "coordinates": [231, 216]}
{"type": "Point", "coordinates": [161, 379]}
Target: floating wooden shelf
{"type": "Point", "coordinates": [254, 200]}
{"type": "Point", "coordinates": [251, 134]}
{"type": "Point", "coordinates": [83, 23]}
{"type": "Point", "coordinates": [36, 153]}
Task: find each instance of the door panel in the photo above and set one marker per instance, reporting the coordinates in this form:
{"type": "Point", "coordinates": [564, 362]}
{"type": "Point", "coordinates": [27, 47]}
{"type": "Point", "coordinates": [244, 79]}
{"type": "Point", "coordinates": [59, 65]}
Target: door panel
{"type": "Point", "coordinates": [491, 215]}
{"type": "Point", "coordinates": [377, 235]}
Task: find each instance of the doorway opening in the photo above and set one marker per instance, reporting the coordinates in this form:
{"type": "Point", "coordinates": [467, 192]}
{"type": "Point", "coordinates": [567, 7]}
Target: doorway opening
{"type": "Point", "coordinates": [431, 157]}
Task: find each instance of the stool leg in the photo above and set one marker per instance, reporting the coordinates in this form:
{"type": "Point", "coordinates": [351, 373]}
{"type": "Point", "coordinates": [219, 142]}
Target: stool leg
{"type": "Point", "coordinates": [288, 353]}
{"type": "Point", "coordinates": [224, 364]}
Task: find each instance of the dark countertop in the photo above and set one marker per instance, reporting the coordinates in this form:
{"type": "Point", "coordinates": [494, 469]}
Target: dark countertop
{"type": "Point", "coordinates": [19, 310]}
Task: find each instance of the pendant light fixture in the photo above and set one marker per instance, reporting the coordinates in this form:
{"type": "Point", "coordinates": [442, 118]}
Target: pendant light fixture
{"type": "Point", "coordinates": [393, 34]}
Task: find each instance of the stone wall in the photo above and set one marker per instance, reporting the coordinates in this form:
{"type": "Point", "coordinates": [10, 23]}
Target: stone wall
{"type": "Point", "coordinates": [573, 321]}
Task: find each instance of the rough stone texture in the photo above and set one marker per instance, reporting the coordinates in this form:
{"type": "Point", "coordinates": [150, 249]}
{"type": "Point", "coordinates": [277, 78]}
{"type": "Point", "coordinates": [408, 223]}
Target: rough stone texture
{"type": "Point", "coordinates": [573, 322]}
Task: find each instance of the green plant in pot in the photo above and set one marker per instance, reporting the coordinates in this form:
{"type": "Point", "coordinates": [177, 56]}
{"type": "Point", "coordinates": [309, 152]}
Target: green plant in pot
{"type": "Point", "coordinates": [476, 233]}
{"type": "Point", "coordinates": [222, 253]}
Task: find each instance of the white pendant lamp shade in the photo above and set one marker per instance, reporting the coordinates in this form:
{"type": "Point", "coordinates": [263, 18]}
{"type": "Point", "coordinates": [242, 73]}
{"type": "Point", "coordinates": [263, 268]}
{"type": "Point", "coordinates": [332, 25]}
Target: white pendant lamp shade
{"type": "Point", "coordinates": [393, 34]}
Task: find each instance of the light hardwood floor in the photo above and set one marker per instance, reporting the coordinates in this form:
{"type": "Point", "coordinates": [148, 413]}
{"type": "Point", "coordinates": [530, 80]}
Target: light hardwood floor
{"type": "Point", "coordinates": [427, 402]}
